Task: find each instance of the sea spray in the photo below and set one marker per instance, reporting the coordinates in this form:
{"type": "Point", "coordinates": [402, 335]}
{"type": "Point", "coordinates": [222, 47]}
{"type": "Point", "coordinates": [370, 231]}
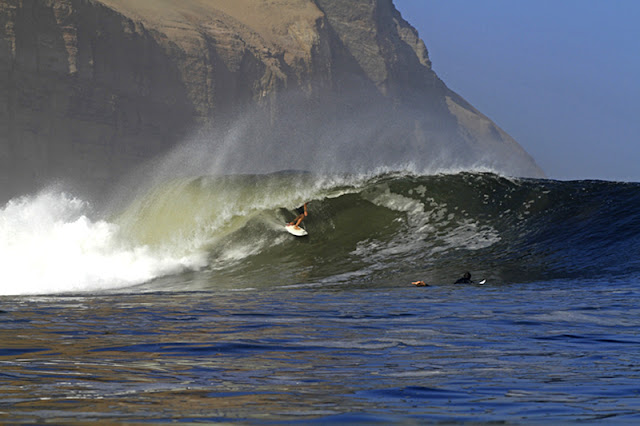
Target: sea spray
{"type": "Point", "coordinates": [361, 140]}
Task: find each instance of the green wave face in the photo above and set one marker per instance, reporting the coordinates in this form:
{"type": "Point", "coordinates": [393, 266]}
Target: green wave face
{"type": "Point", "coordinates": [367, 230]}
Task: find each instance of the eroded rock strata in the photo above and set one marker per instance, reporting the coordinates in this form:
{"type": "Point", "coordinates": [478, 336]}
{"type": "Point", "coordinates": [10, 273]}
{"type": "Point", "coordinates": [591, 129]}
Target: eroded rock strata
{"type": "Point", "coordinates": [91, 88]}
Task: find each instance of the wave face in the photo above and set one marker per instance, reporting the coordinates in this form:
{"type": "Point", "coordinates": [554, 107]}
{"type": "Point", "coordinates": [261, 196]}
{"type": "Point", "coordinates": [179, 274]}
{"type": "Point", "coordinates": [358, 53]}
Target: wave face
{"type": "Point", "coordinates": [227, 232]}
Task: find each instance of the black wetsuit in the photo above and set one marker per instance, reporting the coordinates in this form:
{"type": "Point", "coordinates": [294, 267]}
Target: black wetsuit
{"type": "Point", "coordinates": [465, 279]}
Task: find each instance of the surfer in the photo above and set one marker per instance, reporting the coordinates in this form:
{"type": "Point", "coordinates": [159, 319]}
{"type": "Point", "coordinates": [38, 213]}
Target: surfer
{"type": "Point", "coordinates": [465, 279]}
{"type": "Point", "coordinates": [420, 284]}
{"type": "Point", "coordinates": [302, 213]}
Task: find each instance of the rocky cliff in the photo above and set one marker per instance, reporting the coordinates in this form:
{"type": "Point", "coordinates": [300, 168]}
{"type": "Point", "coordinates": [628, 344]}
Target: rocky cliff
{"type": "Point", "coordinates": [91, 88]}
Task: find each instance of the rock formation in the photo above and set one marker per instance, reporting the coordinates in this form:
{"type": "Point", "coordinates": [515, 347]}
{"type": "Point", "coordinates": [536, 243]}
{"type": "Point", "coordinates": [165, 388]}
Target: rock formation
{"type": "Point", "coordinates": [92, 88]}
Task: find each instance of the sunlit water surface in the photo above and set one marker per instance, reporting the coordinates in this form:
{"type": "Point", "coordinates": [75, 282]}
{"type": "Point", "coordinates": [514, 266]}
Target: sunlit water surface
{"type": "Point", "coordinates": [561, 351]}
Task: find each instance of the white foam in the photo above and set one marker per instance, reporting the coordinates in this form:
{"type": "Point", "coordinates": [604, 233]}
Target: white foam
{"type": "Point", "coordinates": [49, 244]}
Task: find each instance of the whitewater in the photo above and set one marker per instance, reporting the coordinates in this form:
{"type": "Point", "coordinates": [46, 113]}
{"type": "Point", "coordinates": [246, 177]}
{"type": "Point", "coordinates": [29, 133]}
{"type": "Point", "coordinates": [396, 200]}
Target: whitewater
{"type": "Point", "coordinates": [51, 244]}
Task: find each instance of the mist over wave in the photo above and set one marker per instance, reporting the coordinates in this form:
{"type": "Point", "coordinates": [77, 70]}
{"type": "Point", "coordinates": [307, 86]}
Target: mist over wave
{"type": "Point", "coordinates": [227, 232]}
{"type": "Point", "coordinates": [358, 136]}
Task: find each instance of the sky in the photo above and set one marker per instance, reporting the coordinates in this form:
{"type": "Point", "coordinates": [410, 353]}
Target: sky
{"type": "Point", "coordinates": [562, 77]}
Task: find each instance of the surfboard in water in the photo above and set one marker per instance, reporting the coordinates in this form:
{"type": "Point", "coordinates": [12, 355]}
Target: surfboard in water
{"type": "Point", "coordinates": [295, 230]}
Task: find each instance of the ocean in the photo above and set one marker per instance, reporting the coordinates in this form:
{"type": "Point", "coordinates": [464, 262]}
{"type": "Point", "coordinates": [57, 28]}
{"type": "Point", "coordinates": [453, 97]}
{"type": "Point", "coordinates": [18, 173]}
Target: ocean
{"type": "Point", "coordinates": [188, 302]}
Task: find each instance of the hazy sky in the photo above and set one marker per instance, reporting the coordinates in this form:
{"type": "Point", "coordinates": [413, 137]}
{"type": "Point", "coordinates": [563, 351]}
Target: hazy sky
{"type": "Point", "coordinates": [560, 76]}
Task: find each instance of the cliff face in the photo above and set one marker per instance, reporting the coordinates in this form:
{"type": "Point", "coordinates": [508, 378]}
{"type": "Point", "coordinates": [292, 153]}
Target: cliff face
{"type": "Point", "coordinates": [90, 88]}
{"type": "Point", "coordinates": [85, 92]}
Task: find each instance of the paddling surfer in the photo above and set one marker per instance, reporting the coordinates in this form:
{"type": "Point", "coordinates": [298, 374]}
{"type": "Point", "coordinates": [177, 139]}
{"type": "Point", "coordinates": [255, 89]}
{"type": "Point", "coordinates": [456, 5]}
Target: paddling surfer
{"type": "Point", "coordinates": [465, 279]}
{"type": "Point", "coordinates": [302, 213]}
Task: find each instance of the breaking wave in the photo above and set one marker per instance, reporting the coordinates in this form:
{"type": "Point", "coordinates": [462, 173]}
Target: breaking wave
{"type": "Point", "coordinates": [227, 232]}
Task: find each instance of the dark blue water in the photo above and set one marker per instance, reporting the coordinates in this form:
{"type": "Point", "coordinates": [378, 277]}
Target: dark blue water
{"type": "Point", "coordinates": [536, 352]}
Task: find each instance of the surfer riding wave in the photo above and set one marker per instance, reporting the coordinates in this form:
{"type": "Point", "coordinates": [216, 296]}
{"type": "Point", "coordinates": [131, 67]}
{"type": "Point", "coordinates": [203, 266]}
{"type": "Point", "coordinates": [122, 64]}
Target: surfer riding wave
{"type": "Point", "coordinates": [302, 213]}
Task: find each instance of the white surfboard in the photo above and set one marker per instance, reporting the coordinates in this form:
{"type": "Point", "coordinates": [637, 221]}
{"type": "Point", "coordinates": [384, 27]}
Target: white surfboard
{"type": "Point", "coordinates": [296, 230]}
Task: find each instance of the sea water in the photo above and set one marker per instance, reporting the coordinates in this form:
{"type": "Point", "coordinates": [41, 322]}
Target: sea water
{"type": "Point", "coordinates": [191, 304]}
